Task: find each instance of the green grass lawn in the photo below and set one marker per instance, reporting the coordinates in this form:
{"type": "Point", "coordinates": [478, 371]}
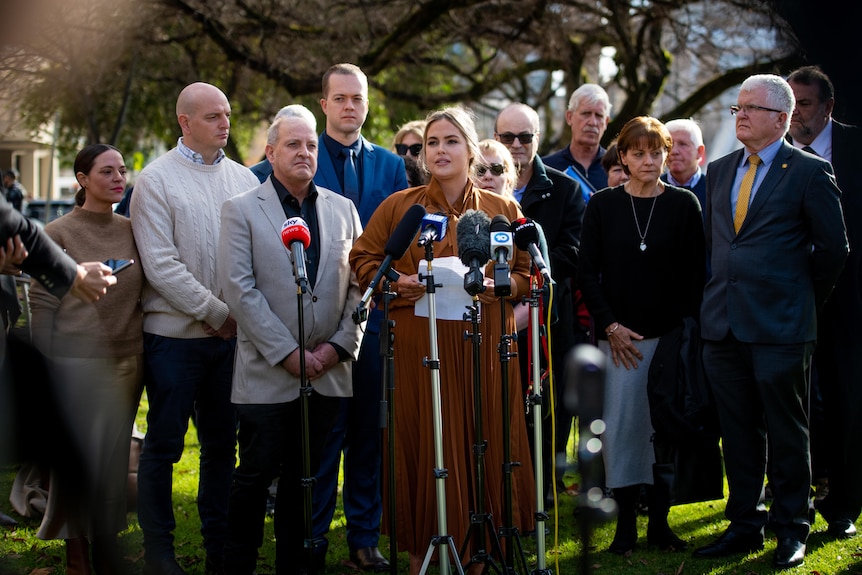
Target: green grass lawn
{"type": "Point", "coordinates": [22, 554]}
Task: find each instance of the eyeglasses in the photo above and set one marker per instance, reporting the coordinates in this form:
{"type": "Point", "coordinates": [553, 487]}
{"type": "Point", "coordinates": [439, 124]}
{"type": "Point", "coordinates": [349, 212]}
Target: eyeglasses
{"type": "Point", "coordinates": [414, 149]}
{"type": "Point", "coordinates": [749, 108]}
{"type": "Point", "coordinates": [496, 169]}
{"type": "Point", "coordinates": [524, 137]}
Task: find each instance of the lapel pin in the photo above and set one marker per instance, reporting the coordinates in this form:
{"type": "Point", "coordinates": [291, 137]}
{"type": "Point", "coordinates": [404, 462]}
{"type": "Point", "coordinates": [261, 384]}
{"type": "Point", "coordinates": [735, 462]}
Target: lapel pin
{"type": "Point", "coordinates": [783, 166]}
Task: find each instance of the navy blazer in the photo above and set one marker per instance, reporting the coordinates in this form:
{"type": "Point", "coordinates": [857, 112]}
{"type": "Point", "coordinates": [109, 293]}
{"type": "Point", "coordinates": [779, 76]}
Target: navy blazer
{"type": "Point", "coordinates": [769, 279]}
{"type": "Point", "coordinates": [383, 173]}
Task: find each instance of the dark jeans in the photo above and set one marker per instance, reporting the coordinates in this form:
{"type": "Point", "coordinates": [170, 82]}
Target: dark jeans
{"type": "Point", "coordinates": [270, 446]}
{"type": "Point", "coordinates": [185, 377]}
{"type": "Point", "coordinates": [357, 432]}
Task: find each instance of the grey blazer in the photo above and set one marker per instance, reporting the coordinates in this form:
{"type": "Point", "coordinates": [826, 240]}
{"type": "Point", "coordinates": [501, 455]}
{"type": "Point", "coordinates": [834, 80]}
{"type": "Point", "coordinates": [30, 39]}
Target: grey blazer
{"type": "Point", "coordinates": [256, 277]}
{"type": "Point", "coordinates": [769, 279]}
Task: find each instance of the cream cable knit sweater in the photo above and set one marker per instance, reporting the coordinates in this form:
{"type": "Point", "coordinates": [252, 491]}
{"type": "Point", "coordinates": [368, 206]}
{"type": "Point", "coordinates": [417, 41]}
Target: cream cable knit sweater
{"type": "Point", "coordinates": [175, 212]}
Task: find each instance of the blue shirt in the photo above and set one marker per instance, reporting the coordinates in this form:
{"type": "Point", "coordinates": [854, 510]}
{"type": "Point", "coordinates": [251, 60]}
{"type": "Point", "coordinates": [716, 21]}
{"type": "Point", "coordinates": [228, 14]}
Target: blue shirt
{"type": "Point", "coordinates": [767, 155]}
{"type": "Point", "coordinates": [195, 157]}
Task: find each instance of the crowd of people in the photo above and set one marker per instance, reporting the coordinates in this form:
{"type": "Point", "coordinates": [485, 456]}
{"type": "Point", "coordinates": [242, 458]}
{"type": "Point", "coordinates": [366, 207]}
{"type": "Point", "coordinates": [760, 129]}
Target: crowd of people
{"type": "Point", "coordinates": [641, 238]}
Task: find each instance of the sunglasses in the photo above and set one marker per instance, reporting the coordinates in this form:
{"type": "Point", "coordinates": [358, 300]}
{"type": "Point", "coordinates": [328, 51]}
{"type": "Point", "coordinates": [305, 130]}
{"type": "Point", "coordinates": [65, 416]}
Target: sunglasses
{"type": "Point", "coordinates": [496, 169]}
{"type": "Point", "coordinates": [414, 150]}
{"type": "Point", "coordinates": [524, 137]}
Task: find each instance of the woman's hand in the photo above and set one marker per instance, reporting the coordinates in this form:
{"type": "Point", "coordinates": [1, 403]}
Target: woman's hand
{"type": "Point", "coordinates": [409, 287]}
{"type": "Point", "coordinates": [487, 296]}
{"type": "Point", "coordinates": [622, 349]}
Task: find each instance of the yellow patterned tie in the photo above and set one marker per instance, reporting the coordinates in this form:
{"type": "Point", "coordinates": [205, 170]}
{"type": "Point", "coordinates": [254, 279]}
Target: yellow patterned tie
{"type": "Point", "coordinates": [745, 191]}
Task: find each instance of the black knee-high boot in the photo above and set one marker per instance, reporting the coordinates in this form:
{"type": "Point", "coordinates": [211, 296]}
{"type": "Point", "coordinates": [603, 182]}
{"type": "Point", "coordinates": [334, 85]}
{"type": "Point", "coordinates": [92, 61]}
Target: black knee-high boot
{"type": "Point", "coordinates": [659, 533]}
{"type": "Point", "coordinates": [626, 534]}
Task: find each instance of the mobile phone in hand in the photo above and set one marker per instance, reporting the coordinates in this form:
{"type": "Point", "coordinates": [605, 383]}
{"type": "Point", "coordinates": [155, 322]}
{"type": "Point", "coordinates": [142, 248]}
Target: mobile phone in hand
{"type": "Point", "coordinates": [118, 265]}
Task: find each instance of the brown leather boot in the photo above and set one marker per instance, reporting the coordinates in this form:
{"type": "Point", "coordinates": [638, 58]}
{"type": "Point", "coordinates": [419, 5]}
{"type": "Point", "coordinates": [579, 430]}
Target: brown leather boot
{"type": "Point", "coordinates": [77, 556]}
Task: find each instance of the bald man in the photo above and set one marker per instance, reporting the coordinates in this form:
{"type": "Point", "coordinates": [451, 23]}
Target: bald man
{"type": "Point", "coordinates": [554, 200]}
{"type": "Point", "coordinates": [189, 333]}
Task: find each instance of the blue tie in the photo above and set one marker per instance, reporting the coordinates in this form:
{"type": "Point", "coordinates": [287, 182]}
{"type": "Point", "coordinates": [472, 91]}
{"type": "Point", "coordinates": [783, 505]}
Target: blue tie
{"type": "Point", "coordinates": [351, 180]}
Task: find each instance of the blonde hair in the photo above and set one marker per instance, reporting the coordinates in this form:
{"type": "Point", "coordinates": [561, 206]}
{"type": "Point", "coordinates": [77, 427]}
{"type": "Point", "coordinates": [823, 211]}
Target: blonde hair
{"type": "Point", "coordinates": [461, 118]}
{"type": "Point", "coordinates": [415, 127]}
{"type": "Point", "coordinates": [510, 174]}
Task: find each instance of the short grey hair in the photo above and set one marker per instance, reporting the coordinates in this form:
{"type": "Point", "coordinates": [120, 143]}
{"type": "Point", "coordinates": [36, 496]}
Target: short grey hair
{"type": "Point", "coordinates": [779, 94]}
{"type": "Point", "coordinates": [590, 94]}
{"type": "Point", "coordinates": [686, 125]}
{"type": "Point", "coordinates": [292, 111]}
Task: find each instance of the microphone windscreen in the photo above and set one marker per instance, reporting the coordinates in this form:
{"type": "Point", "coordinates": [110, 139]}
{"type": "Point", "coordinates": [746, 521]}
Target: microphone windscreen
{"type": "Point", "coordinates": [295, 230]}
{"type": "Point", "coordinates": [474, 241]}
{"type": "Point", "coordinates": [525, 233]}
{"type": "Point", "coordinates": [404, 232]}
{"type": "Point", "coordinates": [500, 223]}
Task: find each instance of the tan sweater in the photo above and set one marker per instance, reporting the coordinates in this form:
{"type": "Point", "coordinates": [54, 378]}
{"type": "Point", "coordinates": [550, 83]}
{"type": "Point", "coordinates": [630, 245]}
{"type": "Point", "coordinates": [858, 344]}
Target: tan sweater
{"type": "Point", "coordinates": [110, 327]}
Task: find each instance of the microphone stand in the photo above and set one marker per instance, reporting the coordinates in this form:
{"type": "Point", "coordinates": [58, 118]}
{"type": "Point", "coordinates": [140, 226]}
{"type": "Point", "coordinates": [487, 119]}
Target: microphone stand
{"type": "Point", "coordinates": [584, 396]}
{"type": "Point", "coordinates": [535, 400]}
{"type": "Point", "coordinates": [387, 412]}
{"type": "Point", "coordinates": [305, 389]}
{"type": "Point", "coordinates": [479, 518]}
{"type": "Point", "coordinates": [440, 473]}
{"type": "Point", "coordinates": [508, 530]}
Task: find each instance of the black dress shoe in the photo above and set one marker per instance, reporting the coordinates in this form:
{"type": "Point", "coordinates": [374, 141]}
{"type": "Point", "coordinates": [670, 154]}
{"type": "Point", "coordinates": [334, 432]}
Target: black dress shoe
{"type": "Point", "coordinates": [841, 529]}
{"type": "Point", "coordinates": [666, 540]}
{"type": "Point", "coordinates": [369, 559]}
{"type": "Point", "coordinates": [163, 566]}
{"type": "Point", "coordinates": [7, 521]}
{"type": "Point", "coordinates": [789, 553]}
{"type": "Point", "coordinates": [730, 543]}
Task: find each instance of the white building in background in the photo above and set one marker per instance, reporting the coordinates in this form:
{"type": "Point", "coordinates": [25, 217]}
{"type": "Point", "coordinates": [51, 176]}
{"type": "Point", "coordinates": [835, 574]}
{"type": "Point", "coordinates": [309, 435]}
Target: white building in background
{"type": "Point", "coordinates": [31, 155]}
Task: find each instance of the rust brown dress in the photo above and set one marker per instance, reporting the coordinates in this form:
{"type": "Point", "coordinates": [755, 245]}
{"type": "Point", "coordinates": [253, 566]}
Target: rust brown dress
{"type": "Point", "coordinates": [416, 489]}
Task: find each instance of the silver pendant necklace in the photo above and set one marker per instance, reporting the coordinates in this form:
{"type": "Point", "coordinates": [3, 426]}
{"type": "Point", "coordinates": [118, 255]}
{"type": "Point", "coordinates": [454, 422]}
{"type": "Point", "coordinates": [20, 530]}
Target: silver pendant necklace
{"type": "Point", "coordinates": [637, 223]}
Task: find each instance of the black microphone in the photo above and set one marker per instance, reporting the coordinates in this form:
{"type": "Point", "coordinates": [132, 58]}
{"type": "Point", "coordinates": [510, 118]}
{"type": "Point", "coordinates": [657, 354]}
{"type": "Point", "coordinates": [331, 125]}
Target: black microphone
{"type": "Point", "coordinates": [474, 248]}
{"type": "Point", "coordinates": [501, 244]}
{"type": "Point", "coordinates": [433, 228]}
{"type": "Point", "coordinates": [395, 249]}
{"type": "Point", "coordinates": [527, 238]}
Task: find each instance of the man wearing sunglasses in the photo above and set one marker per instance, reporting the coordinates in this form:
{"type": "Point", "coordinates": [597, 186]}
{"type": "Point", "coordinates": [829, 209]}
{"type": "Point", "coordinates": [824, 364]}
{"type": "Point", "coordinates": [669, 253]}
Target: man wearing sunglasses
{"type": "Point", "coordinates": [588, 115]}
{"type": "Point", "coordinates": [554, 200]}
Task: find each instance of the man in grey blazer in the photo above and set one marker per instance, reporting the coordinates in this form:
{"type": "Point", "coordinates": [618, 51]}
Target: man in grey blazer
{"type": "Point", "coordinates": [775, 255]}
{"type": "Point", "coordinates": [257, 277]}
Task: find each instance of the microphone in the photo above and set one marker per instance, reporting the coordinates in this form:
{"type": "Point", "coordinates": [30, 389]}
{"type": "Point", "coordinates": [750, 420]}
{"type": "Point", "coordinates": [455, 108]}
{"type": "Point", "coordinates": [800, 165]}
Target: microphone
{"type": "Point", "coordinates": [474, 248]}
{"type": "Point", "coordinates": [527, 238]}
{"type": "Point", "coordinates": [433, 228]}
{"type": "Point", "coordinates": [296, 236]}
{"type": "Point", "coordinates": [501, 239]}
{"type": "Point", "coordinates": [501, 244]}
{"type": "Point", "coordinates": [395, 249]}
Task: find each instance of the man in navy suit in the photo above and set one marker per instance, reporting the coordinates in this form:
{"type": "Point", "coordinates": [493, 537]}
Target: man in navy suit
{"type": "Point", "coordinates": [838, 358]}
{"type": "Point", "coordinates": [775, 255]}
{"type": "Point", "coordinates": [366, 173]}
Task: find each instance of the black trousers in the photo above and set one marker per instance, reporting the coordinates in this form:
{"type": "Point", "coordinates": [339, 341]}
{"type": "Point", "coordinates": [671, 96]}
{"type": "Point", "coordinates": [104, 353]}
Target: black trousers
{"type": "Point", "coordinates": [760, 395]}
{"type": "Point", "coordinates": [270, 446]}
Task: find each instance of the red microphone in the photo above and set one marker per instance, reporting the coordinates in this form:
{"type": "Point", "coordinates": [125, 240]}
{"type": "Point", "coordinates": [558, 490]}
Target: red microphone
{"type": "Point", "coordinates": [296, 236]}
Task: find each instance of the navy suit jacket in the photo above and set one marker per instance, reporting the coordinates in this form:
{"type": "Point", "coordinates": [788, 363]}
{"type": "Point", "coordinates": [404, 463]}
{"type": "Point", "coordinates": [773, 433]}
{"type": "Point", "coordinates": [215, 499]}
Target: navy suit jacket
{"type": "Point", "coordinates": [769, 279]}
{"type": "Point", "coordinates": [383, 173]}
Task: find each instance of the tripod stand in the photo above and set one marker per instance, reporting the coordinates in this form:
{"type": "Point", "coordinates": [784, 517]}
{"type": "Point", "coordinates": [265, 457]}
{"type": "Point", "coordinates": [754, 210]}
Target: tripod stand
{"type": "Point", "coordinates": [508, 530]}
{"type": "Point", "coordinates": [536, 403]}
{"type": "Point", "coordinates": [440, 473]}
{"type": "Point", "coordinates": [479, 520]}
